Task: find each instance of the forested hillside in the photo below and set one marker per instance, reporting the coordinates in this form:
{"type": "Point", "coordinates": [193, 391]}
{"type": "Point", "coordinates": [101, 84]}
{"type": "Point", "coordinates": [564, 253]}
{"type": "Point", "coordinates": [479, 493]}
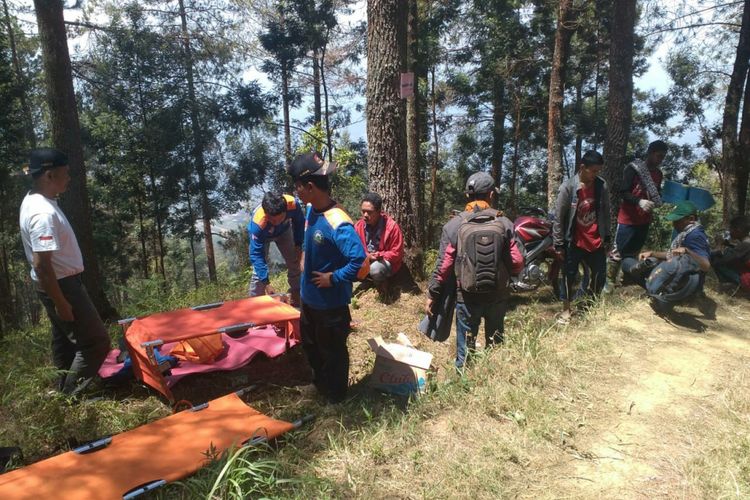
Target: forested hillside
{"type": "Point", "coordinates": [188, 110]}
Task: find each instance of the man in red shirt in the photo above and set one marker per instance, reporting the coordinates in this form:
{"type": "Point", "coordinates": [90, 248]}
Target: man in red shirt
{"type": "Point", "coordinates": [383, 241]}
{"type": "Point", "coordinates": [641, 193]}
{"type": "Point", "coordinates": [581, 228]}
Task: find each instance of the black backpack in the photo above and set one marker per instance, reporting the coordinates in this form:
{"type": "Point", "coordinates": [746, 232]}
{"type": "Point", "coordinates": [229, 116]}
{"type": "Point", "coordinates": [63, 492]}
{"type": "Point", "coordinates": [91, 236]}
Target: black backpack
{"type": "Point", "coordinates": [481, 241]}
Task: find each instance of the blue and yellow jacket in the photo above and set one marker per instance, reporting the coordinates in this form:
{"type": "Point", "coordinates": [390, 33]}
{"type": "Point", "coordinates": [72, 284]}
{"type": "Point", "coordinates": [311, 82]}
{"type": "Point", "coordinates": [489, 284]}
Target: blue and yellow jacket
{"type": "Point", "coordinates": [261, 230]}
{"type": "Point", "coordinates": [331, 245]}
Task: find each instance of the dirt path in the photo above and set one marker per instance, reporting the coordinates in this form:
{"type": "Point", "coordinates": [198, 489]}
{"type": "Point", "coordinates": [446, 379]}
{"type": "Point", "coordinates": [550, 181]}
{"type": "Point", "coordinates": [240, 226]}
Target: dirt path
{"type": "Point", "coordinates": [663, 381]}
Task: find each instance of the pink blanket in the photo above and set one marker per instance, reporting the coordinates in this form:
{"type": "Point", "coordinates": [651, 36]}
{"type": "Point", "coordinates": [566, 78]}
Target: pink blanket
{"type": "Point", "coordinates": [237, 353]}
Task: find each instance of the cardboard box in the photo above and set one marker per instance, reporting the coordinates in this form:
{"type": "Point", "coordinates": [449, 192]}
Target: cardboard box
{"type": "Point", "coordinates": [399, 368]}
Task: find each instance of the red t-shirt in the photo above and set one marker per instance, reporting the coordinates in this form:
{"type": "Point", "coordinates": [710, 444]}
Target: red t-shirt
{"type": "Point", "coordinates": [631, 214]}
{"type": "Point", "coordinates": [586, 232]}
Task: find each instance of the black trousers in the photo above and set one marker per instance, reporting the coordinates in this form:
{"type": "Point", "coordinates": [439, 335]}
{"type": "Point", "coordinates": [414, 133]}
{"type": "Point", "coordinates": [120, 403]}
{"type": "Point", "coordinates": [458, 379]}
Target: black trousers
{"type": "Point", "coordinates": [79, 347]}
{"type": "Point", "coordinates": [324, 333]}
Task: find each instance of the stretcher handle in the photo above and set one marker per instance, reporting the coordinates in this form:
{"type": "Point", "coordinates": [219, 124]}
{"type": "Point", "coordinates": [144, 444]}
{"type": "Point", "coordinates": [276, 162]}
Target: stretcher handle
{"type": "Point", "coordinates": [143, 488]}
{"type": "Point", "coordinates": [245, 390]}
{"type": "Point", "coordinates": [152, 343]}
{"type": "Point", "coordinates": [126, 321]}
{"type": "Point", "coordinates": [93, 446]}
{"type": "Point", "coordinates": [236, 328]}
{"type": "Point", "coordinates": [203, 307]}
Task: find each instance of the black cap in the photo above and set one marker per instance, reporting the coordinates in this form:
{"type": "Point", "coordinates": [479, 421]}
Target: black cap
{"type": "Point", "coordinates": [310, 164]}
{"type": "Point", "coordinates": [42, 159]}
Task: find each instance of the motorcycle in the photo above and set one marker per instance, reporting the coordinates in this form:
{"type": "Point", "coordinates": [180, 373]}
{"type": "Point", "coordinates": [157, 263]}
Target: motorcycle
{"type": "Point", "coordinates": [541, 263]}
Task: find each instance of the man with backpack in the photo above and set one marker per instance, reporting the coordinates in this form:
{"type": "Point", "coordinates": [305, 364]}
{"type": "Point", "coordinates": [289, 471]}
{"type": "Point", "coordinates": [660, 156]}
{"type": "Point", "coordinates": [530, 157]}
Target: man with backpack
{"type": "Point", "coordinates": [677, 274]}
{"type": "Point", "coordinates": [474, 261]}
{"type": "Point", "coordinates": [581, 228]}
{"type": "Point", "coordinates": [641, 193]}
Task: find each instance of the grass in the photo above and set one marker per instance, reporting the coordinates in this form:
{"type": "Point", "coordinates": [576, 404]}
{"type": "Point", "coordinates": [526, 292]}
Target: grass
{"type": "Point", "coordinates": [508, 426]}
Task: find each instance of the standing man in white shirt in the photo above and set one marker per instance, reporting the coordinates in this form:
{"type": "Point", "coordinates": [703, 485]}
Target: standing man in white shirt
{"type": "Point", "coordinates": [79, 339]}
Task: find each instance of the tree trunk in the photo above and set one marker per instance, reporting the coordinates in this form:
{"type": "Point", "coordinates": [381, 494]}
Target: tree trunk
{"type": "Point", "coordinates": [200, 163]}
{"type": "Point", "coordinates": [620, 105]}
{"type": "Point", "coordinates": [285, 106]}
{"type": "Point", "coordinates": [413, 140]}
{"type": "Point", "coordinates": [579, 122]}
{"type": "Point", "coordinates": [743, 165]}
{"type": "Point", "coordinates": [329, 141]}
{"type": "Point", "coordinates": [731, 163]}
{"type": "Point", "coordinates": [565, 29]}
{"type": "Point", "coordinates": [317, 111]}
{"type": "Point", "coordinates": [191, 234]}
{"type": "Point", "coordinates": [66, 136]}
{"type": "Point", "coordinates": [20, 80]}
{"type": "Point", "coordinates": [435, 161]}
{"type": "Point", "coordinates": [514, 167]}
{"type": "Point", "coordinates": [499, 113]}
{"type": "Point", "coordinates": [142, 237]}
{"type": "Point", "coordinates": [386, 118]}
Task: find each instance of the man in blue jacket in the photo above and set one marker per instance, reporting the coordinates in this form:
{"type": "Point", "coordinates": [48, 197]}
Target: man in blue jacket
{"type": "Point", "coordinates": [280, 219]}
{"type": "Point", "coordinates": [333, 255]}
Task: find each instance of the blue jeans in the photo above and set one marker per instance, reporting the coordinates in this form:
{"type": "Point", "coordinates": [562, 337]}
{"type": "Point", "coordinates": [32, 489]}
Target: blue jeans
{"type": "Point", "coordinates": [468, 316]}
{"type": "Point", "coordinates": [595, 261]}
{"type": "Point", "coordinates": [629, 240]}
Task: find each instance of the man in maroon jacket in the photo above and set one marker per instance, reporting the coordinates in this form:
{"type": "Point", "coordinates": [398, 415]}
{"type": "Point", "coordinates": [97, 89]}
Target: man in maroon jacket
{"type": "Point", "coordinates": [383, 241]}
{"type": "Point", "coordinates": [641, 193]}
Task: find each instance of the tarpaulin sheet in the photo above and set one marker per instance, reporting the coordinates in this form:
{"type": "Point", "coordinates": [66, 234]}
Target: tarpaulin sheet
{"type": "Point", "coordinates": [168, 449]}
{"type": "Point", "coordinates": [183, 324]}
{"type": "Point", "coordinates": [237, 353]}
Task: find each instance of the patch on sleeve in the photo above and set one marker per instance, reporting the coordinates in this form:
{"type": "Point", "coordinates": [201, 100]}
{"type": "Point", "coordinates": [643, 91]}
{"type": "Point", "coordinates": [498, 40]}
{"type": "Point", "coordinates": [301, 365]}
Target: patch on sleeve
{"type": "Point", "coordinates": [291, 203]}
{"type": "Point", "coordinates": [259, 218]}
{"type": "Point", "coordinates": [336, 216]}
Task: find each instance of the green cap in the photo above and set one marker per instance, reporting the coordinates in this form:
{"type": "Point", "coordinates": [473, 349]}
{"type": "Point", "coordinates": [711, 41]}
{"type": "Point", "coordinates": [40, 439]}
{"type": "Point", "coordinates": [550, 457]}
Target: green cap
{"type": "Point", "coordinates": [682, 210]}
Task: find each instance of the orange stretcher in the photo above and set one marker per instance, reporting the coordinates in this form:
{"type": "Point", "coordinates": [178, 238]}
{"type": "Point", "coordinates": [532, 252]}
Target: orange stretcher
{"type": "Point", "coordinates": [129, 464]}
{"type": "Point", "coordinates": [142, 335]}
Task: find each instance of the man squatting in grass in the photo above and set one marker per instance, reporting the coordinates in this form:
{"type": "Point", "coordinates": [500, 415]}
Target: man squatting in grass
{"type": "Point", "coordinates": [581, 227]}
{"type": "Point", "coordinates": [333, 255]}
{"type": "Point", "coordinates": [641, 193]}
{"type": "Point", "coordinates": [280, 219]}
{"type": "Point", "coordinates": [79, 339]}
{"type": "Point", "coordinates": [382, 238]}
{"type": "Point", "coordinates": [472, 307]}
{"type": "Point", "coordinates": [732, 263]}
{"type": "Point", "coordinates": [688, 255]}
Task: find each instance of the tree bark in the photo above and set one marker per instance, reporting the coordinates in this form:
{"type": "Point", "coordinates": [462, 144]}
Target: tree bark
{"type": "Point", "coordinates": [317, 107]}
{"type": "Point", "coordinates": [66, 136]}
{"type": "Point", "coordinates": [413, 140]}
{"type": "Point", "coordinates": [200, 164]}
{"type": "Point", "coordinates": [329, 140]}
{"type": "Point", "coordinates": [514, 167]}
{"type": "Point", "coordinates": [743, 165]}
{"type": "Point", "coordinates": [386, 118]}
{"type": "Point", "coordinates": [620, 105]}
{"type": "Point", "coordinates": [565, 29]}
{"type": "Point", "coordinates": [285, 107]}
{"type": "Point", "coordinates": [435, 161]}
{"type": "Point", "coordinates": [579, 122]}
{"type": "Point", "coordinates": [730, 157]}
{"type": "Point", "coordinates": [142, 237]}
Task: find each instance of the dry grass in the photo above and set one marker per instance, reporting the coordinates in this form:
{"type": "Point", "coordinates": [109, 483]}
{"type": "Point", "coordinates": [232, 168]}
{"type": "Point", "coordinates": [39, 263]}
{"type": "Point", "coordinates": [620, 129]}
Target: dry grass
{"type": "Point", "coordinates": [525, 420]}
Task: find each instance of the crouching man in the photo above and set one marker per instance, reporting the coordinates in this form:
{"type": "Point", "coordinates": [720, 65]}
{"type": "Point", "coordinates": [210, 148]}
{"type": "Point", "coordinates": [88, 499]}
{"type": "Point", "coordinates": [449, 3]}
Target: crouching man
{"type": "Point", "coordinates": [732, 263]}
{"type": "Point", "coordinates": [677, 274]}
{"type": "Point", "coordinates": [382, 238]}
